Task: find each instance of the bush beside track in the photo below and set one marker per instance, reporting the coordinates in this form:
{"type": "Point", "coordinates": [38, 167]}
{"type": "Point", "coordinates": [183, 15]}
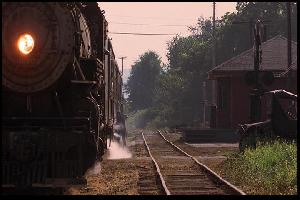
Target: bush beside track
{"type": "Point", "coordinates": [271, 168]}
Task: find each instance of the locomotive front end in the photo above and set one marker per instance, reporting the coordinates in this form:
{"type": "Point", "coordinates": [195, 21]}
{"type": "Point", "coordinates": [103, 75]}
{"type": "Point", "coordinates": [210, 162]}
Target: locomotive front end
{"type": "Point", "coordinates": [61, 91]}
{"type": "Point", "coordinates": [38, 43]}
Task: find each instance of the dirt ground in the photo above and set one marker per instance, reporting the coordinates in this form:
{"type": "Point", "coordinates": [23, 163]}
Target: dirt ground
{"type": "Point", "coordinates": [121, 176]}
{"type": "Point", "coordinates": [116, 177]}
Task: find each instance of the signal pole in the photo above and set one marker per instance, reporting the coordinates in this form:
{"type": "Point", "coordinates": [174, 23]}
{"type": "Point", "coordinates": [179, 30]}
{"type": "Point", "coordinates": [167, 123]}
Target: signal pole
{"type": "Point", "coordinates": [255, 101]}
{"type": "Point", "coordinates": [122, 58]}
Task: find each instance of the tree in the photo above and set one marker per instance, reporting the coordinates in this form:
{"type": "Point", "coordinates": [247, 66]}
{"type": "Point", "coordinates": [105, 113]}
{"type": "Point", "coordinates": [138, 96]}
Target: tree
{"type": "Point", "coordinates": [176, 94]}
{"type": "Point", "coordinates": [167, 99]}
{"type": "Point", "coordinates": [178, 98]}
{"type": "Point", "coordinates": [186, 54]}
{"type": "Point", "coordinates": [233, 38]}
{"type": "Point", "coordinates": [142, 80]}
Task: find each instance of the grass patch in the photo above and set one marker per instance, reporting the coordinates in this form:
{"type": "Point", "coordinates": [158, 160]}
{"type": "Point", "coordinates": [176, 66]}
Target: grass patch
{"type": "Point", "coordinates": [271, 168]}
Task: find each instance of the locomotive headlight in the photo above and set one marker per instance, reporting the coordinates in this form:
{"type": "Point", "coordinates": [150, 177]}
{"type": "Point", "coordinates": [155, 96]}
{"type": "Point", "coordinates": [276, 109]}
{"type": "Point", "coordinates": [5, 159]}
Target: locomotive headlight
{"type": "Point", "coordinates": [25, 43]}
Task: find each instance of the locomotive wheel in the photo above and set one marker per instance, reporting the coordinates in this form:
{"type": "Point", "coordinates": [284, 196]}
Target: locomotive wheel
{"type": "Point", "coordinates": [90, 153]}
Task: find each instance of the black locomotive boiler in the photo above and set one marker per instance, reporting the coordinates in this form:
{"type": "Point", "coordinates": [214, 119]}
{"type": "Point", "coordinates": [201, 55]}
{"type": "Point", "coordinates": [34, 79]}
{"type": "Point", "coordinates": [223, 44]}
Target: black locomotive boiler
{"type": "Point", "coordinates": [61, 90]}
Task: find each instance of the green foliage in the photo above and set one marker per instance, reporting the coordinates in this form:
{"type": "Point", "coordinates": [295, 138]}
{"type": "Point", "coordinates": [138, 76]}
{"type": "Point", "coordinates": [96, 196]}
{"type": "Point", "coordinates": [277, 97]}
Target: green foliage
{"type": "Point", "coordinates": [190, 58]}
{"type": "Point", "coordinates": [232, 39]}
{"type": "Point", "coordinates": [139, 119]}
{"type": "Point", "coordinates": [173, 93]}
{"type": "Point", "coordinates": [179, 94]}
{"type": "Point", "coordinates": [142, 81]}
{"type": "Point", "coordinates": [233, 30]}
{"type": "Point", "coordinates": [170, 85]}
{"type": "Point", "coordinates": [188, 54]}
{"type": "Point", "coordinates": [271, 168]}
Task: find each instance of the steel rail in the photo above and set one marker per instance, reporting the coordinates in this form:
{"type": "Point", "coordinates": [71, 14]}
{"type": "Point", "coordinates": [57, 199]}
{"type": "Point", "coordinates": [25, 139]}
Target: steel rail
{"type": "Point", "coordinates": [206, 169]}
{"type": "Point", "coordinates": [162, 180]}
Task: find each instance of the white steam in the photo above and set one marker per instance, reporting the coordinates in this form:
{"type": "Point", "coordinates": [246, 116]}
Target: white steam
{"type": "Point", "coordinates": [115, 151]}
{"type": "Point", "coordinates": [95, 170]}
{"type": "Point", "coordinates": [118, 151]}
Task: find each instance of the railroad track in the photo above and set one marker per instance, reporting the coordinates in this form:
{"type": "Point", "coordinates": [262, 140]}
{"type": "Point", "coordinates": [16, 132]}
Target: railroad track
{"type": "Point", "coordinates": [180, 173]}
{"type": "Point", "coordinates": [149, 182]}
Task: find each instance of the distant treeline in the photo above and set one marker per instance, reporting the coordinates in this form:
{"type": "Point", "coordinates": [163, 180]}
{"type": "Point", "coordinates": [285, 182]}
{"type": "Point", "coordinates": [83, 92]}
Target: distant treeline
{"type": "Point", "coordinates": [168, 95]}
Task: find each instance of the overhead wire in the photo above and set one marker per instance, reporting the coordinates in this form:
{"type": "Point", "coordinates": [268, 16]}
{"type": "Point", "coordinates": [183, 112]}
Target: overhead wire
{"type": "Point", "coordinates": [148, 24]}
{"type": "Point", "coordinates": [161, 18]}
{"type": "Point", "coordinates": [155, 34]}
{"type": "Point", "coordinates": [130, 33]}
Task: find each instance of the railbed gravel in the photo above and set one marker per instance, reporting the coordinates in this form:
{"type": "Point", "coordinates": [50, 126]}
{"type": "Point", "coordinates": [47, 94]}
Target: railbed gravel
{"type": "Point", "coordinates": [121, 176]}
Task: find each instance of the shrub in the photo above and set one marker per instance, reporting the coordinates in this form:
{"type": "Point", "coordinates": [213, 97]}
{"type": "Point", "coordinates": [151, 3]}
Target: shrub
{"type": "Point", "coordinates": [271, 168]}
{"type": "Point", "coordinates": [140, 118]}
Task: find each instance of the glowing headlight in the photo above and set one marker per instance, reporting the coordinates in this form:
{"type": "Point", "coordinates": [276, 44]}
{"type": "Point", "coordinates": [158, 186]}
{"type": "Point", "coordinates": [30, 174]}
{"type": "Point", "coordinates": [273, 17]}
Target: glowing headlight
{"type": "Point", "coordinates": [25, 43]}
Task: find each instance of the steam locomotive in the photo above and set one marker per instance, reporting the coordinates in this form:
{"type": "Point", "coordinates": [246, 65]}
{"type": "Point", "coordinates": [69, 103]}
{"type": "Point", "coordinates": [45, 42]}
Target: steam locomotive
{"type": "Point", "coordinates": [61, 90]}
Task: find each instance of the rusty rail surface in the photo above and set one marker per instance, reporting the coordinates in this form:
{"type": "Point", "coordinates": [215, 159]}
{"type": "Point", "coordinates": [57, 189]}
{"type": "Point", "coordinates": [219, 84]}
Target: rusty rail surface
{"type": "Point", "coordinates": [179, 182]}
{"type": "Point", "coordinates": [163, 183]}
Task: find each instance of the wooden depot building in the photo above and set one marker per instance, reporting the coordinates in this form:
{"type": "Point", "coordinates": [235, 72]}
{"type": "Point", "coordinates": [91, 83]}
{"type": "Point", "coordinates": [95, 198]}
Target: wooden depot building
{"type": "Point", "coordinates": [231, 90]}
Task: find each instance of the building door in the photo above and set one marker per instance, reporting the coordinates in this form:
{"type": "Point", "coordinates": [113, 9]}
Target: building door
{"type": "Point", "coordinates": [223, 103]}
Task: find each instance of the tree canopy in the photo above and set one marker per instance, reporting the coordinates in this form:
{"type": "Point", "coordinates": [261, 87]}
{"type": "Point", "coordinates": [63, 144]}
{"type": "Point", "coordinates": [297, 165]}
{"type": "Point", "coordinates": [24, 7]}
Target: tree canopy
{"type": "Point", "coordinates": [142, 80]}
{"type": "Point", "coordinates": [175, 96]}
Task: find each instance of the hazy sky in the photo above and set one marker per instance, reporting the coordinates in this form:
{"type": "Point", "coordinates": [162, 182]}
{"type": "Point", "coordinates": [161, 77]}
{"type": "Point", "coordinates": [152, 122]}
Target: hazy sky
{"type": "Point", "coordinates": [153, 17]}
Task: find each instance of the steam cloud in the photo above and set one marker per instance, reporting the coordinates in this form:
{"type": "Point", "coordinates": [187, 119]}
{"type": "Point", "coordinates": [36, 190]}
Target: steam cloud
{"type": "Point", "coordinates": [117, 151]}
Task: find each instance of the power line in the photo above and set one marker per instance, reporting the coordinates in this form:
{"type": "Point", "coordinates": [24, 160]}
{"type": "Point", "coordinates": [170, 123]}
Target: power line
{"type": "Point", "coordinates": [128, 33]}
{"type": "Point", "coordinates": [148, 24]}
{"type": "Point", "coordinates": [161, 18]}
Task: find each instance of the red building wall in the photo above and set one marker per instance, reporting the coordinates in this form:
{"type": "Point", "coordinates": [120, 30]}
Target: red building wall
{"type": "Point", "coordinates": [240, 102]}
{"type": "Point", "coordinates": [223, 103]}
{"type": "Point", "coordinates": [238, 111]}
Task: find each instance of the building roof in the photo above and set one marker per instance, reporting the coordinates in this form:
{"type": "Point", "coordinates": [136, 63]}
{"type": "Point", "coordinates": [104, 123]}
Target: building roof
{"type": "Point", "coordinates": [274, 57]}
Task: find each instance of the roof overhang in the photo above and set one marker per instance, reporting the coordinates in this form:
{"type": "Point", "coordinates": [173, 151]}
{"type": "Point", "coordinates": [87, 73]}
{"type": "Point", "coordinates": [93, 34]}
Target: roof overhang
{"type": "Point", "coordinates": [214, 74]}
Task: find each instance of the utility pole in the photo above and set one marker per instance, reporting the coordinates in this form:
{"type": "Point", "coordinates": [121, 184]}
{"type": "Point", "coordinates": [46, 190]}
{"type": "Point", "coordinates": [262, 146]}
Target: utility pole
{"type": "Point", "coordinates": [214, 93]}
{"type": "Point", "coordinates": [213, 53]}
{"type": "Point", "coordinates": [289, 56]}
{"type": "Point", "coordinates": [204, 103]}
{"type": "Point", "coordinates": [251, 24]}
{"type": "Point", "coordinates": [122, 58]}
